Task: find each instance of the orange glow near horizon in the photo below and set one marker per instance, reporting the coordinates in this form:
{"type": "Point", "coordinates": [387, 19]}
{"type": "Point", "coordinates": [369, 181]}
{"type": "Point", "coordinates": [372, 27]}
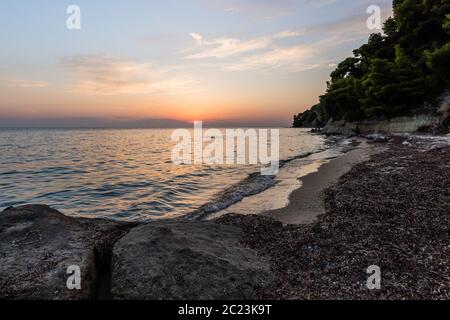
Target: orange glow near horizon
{"type": "Point", "coordinates": [163, 65]}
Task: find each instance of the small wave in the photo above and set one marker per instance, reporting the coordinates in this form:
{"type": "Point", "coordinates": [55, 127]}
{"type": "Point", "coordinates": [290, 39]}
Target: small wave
{"type": "Point", "coordinates": [252, 185]}
{"type": "Point", "coordinates": [255, 183]}
{"type": "Point", "coordinates": [99, 173]}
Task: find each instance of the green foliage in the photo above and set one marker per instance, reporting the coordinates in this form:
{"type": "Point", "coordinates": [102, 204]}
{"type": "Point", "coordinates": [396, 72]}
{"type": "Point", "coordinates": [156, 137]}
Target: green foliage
{"type": "Point", "coordinates": [312, 118]}
{"type": "Point", "coordinates": [396, 73]}
{"type": "Point", "coordinates": [446, 24]}
{"type": "Point", "coordinates": [341, 101]}
{"type": "Point", "coordinates": [439, 62]}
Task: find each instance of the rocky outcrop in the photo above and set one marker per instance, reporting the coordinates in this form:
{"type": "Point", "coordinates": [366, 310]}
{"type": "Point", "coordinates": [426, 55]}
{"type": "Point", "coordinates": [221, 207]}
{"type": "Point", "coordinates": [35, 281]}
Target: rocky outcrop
{"type": "Point", "coordinates": [378, 137]}
{"type": "Point", "coordinates": [39, 244]}
{"type": "Point", "coordinates": [160, 260]}
{"type": "Point", "coordinates": [395, 125]}
{"type": "Point", "coordinates": [443, 126]}
{"type": "Point", "coordinates": [186, 260]}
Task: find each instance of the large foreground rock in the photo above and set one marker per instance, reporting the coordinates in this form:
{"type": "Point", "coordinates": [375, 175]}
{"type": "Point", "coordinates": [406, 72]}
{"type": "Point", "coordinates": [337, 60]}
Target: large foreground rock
{"type": "Point", "coordinates": [38, 244]}
{"type": "Point", "coordinates": [163, 260]}
{"type": "Point", "coordinates": [186, 260]}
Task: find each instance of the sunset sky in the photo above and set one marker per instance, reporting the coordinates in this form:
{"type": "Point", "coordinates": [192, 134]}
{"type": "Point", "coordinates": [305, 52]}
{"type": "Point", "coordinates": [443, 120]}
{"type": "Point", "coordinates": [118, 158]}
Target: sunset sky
{"type": "Point", "coordinates": [240, 60]}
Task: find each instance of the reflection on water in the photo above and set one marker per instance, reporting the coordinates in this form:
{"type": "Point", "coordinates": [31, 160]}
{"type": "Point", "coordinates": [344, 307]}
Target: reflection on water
{"type": "Point", "coordinates": [125, 174]}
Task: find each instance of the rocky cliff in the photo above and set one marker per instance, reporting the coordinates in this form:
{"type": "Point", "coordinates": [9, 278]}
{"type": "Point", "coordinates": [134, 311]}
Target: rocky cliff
{"type": "Point", "coordinates": [397, 125]}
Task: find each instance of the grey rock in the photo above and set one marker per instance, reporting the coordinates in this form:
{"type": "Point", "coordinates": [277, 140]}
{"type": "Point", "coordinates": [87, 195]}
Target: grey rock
{"type": "Point", "coordinates": [407, 143]}
{"type": "Point", "coordinates": [378, 137]}
{"type": "Point", "coordinates": [400, 125]}
{"type": "Point", "coordinates": [186, 260]}
{"type": "Point", "coordinates": [38, 244]}
{"type": "Point", "coordinates": [163, 260]}
{"type": "Point", "coordinates": [340, 128]}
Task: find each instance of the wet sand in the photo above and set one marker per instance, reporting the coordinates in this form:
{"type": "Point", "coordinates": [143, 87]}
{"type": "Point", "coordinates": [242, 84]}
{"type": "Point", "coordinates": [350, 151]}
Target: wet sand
{"type": "Point", "coordinates": [305, 203]}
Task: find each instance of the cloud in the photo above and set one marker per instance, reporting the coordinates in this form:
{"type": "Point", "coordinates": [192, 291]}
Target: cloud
{"type": "Point", "coordinates": [197, 37]}
{"type": "Point", "coordinates": [256, 54]}
{"type": "Point", "coordinates": [287, 34]}
{"type": "Point", "coordinates": [262, 54]}
{"type": "Point", "coordinates": [293, 58]}
{"type": "Point", "coordinates": [263, 8]}
{"type": "Point", "coordinates": [226, 47]}
{"type": "Point", "coordinates": [233, 9]}
{"type": "Point", "coordinates": [27, 84]}
{"type": "Point", "coordinates": [269, 52]}
{"type": "Point", "coordinates": [108, 75]}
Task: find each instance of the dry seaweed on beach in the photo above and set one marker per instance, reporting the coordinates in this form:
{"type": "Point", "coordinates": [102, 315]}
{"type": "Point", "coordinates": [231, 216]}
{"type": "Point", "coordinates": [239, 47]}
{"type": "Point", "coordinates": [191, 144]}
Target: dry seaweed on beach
{"type": "Point", "coordinates": [392, 211]}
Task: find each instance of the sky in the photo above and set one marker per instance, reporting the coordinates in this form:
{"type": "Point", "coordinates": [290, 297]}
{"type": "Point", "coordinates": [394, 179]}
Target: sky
{"type": "Point", "coordinates": [242, 61]}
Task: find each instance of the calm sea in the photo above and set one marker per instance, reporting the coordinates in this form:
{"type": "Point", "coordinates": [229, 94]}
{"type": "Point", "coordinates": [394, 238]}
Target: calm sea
{"type": "Point", "coordinates": [125, 174]}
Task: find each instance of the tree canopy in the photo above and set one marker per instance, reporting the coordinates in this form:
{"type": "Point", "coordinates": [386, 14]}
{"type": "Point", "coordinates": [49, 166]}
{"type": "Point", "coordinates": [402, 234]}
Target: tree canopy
{"type": "Point", "coordinates": [399, 72]}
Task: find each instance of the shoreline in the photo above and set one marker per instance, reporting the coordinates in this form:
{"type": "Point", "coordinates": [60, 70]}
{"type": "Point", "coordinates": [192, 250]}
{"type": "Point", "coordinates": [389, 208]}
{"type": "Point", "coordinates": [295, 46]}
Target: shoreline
{"type": "Point", "coordinates": [392, 211]}
{"type": "Point", "coordinates": [305, 203]}
{"type": "Point", "coordinates": [89, 186]}
{"type": "Point", "coordinates": [390, 208]}
{"type": "Point", "coordinates": [247, 196]}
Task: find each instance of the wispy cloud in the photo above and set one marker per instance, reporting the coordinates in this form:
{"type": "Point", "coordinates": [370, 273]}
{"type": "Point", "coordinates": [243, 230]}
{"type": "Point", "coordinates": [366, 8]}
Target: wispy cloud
{"type": "Point", "coordinates": [293, 58]}
{"type": "Point", "coordinates": [27, 84]}
{"type": "Point", "coordinates": [233, 9]}
{"type": "Point", "coordinates": [269, 52]}
{"type": "Point", "coordinates": [108, 75]}
{"type": "Point", "coordinates": [227, 47]}
{"type": "Point", "coordinates": [287, 34]}
{"type": "Point", "coordinates": [197, 37]}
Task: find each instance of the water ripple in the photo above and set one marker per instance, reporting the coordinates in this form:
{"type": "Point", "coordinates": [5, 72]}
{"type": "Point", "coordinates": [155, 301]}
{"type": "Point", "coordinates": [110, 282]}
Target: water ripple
{"type": "Point", "coordinates": [122, 174]}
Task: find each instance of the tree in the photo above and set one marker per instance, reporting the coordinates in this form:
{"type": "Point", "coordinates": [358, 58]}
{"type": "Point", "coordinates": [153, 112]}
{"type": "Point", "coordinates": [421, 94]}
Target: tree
{"type": "Point", "coordinates": [439, 62]}
{"type": "Point", "coordinates": [399, 72]}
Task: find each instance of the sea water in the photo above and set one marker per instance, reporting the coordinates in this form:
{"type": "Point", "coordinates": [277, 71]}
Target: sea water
{"type": "Point", "coordinates": [128, 174]}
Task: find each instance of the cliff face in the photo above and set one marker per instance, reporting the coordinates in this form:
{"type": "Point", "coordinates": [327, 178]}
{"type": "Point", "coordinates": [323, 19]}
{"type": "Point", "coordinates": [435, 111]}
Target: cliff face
{"type": "Point", "coordinates": [438, 122]}
{"type": "Point", "coordinates": [396, 125]}
{"type": "Point", "coordinates": [434, 122]}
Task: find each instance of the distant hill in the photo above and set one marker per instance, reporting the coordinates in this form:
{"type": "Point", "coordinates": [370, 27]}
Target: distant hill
{"type": "Point", "coordinates": [128, 123]}
{"type": "Point", "coordinates": [401, 72]}
{"type": "Point", "coordinates": [91, 122]}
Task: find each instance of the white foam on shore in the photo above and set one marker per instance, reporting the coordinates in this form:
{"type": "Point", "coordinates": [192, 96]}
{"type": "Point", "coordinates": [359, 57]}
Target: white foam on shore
{"type": "Point", "coordinates": [254, 184]}
{"type": "Point", "coordinates": [431, 142]}
{"type": "Point", "coordinates": [277, 197]}
{"type": "Point", "coordinates": [257, 193]}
